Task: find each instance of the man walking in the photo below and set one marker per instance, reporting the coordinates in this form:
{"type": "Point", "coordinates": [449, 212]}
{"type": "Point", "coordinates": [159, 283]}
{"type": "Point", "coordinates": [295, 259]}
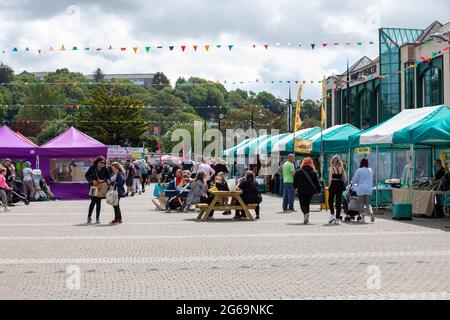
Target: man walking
{"type": "Point", "coordinates": [288, 172]}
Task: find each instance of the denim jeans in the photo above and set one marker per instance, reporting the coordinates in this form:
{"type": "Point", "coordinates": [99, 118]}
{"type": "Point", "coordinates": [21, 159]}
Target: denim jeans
{"type": "Point", "coordinates": [288, 196]}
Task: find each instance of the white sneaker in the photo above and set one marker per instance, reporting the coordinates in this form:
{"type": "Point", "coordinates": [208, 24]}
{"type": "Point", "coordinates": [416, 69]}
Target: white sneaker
{"type": "Point", "coordinates": [363, 220]}
{"type": "Point", "coordinates": [306, 221]}
{"type": "Point", "coordinates": [7, 209]}
{"type": "Point", "coordinates": [372, 216]}
{"type": "Point", "coordinates": [337, 222]}
{"type": "Point", "coordinates": [332, 219]}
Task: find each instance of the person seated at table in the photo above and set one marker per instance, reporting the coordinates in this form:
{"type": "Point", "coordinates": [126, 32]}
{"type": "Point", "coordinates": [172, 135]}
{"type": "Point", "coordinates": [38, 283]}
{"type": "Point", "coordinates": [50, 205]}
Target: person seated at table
{"type": "Point", "coordinates": [197, 194]}
{"type": "Point", "coordinates": [250, 194]}
{"type": "Point", "coordinates": [159, 199]}
{"type": "Point", "coordinates": [219, 184]}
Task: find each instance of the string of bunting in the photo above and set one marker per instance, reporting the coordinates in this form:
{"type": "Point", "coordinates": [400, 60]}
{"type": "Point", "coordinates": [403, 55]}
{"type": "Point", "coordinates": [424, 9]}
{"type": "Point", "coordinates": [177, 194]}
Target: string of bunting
{"type": "Point", "coordinates": [193, 47]}
{"type": "Point", "coordinates": [228, 82]}
{"type": "Point", "coordinates": [198, 47]}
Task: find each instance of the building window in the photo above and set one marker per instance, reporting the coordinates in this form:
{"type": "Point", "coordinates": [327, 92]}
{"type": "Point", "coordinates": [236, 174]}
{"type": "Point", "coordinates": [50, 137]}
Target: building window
{"type": "Point", "coordinates": [410, 92]}
{"type": "Point", "coordinates": [432, 95]}
{"type": "Point", "coordinates": [365, 109]}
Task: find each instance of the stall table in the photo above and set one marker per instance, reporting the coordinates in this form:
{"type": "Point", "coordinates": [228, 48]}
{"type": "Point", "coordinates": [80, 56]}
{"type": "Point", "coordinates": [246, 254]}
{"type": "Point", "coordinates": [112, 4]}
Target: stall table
{"type": "Point", "coordinates": [423, 201]}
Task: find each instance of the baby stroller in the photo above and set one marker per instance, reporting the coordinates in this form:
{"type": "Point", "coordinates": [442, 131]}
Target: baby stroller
{"type": "Point", "coordinates": [39, 194]}
{"type": "Point", "coordinates": [349, 203]}
{"type": "Point", "coordinates": [46, 189]}
{"type": "Point", "coordinates": [176, 199]}
{"type": "Point", "coordinates": [17, 195]}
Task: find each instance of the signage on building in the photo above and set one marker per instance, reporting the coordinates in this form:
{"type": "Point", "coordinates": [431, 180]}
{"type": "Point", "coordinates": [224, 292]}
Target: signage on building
{"type": "Point", "coordinates": [365, 72]}
{"type": "Point", "coordinates": [303, 146]}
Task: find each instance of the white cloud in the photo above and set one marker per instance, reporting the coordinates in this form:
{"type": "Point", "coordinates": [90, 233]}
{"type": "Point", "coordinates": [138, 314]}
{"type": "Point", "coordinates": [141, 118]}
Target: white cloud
{"type": "Point", "coordinates": [40, 24]}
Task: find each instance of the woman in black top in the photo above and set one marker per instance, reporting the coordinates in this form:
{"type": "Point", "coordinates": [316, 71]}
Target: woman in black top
{"type": "Point", "coordinates": [336, 182]}
{"type": "Point", "coordinates": [307, 185]}
{"type": "Point", "coordinates": [97, 173]}
{"type": "Point", "coordinates": [250, 194]}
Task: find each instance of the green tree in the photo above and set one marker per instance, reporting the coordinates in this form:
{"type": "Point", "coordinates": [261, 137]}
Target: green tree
{"type": "Point", "coordinates": [112, 118]}
{"type": "Point", "coordinates": [160, 81]}
{"type": "Point", "coordinates": [51, 129]}
{"type": "Point", "coordinates": [6, 73]}
{"type": "Point", "coordinates": [98, 75]}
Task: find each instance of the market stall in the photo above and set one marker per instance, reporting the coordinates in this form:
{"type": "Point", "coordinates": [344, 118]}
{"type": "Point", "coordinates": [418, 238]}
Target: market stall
{"type": "Point", "coordinates": [65, 160]}
{"type": "Point", "coordinates": [405, 143]}
{"type": "Point", "coordinates": [16, 148]}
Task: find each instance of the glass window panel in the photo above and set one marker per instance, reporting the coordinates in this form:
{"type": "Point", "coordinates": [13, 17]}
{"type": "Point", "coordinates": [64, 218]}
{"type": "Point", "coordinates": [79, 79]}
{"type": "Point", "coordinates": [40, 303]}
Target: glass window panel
{"type": "Point", "coordinates": [69, 170]}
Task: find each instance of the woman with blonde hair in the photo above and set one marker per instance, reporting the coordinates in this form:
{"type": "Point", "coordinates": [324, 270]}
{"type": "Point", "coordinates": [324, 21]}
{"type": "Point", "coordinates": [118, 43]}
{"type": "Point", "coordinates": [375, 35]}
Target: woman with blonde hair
{"type": "Point", "coordinates": [336, 182]}
{"type": "Point", "coordinates": [117, 181]}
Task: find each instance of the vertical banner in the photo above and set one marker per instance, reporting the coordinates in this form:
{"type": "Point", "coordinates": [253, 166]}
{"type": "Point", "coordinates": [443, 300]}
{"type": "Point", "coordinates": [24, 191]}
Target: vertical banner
{"type": "Point", "coordinates": [298, 119]}
{"type": "Point", "coordinates": [159, 151]}
{"type": "Point", "coordinates": [323, 114]}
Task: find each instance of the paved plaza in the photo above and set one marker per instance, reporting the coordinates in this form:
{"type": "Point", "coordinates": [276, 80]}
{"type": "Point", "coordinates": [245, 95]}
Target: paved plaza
{"type": "Point", "coordinates": [47, 252]}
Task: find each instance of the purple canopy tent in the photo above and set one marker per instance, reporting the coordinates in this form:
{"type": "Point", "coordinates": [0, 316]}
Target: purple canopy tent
{"type": "Point", "coordinates": [70, 147]}
{"type": "Point", "coordinates": [16, 148]}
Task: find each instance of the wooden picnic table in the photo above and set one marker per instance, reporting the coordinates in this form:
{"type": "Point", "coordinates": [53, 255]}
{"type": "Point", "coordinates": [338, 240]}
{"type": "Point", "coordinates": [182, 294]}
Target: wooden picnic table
{"type": "Point", "coordinates": [221, 197]}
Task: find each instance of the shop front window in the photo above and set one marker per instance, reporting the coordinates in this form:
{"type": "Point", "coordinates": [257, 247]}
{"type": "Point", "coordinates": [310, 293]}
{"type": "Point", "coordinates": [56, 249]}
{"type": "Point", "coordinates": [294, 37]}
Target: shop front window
{"type": "Point", "coordinates": [432, 95]}
{"type": "Point", "coordinates": [69, 170]}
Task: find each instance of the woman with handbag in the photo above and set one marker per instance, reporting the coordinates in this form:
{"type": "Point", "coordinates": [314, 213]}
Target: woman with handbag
{"type": "Point", "coordinates": [307, 185]}
{"type": "Point", "coordinates": [336, 182]}
{"type": "Point", "coordinates": [97, 176]}
{"type": "Point", "coordinates": [117, 182]}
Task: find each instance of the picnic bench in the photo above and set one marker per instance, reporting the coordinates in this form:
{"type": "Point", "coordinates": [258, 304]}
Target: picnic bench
{"type": "Point", "coordinates": [217, 204]}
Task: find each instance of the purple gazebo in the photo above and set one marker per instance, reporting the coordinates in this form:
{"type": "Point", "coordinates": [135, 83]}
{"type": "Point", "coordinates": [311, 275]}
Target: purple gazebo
{"type": "Point", "coordinates": [64, 161]}
{"type": "Point", "coordinates": [16, 148]}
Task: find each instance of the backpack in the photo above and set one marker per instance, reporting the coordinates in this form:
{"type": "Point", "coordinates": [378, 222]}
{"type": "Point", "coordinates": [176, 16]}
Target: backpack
{"type": "Point", "coordinates": [166, 170]}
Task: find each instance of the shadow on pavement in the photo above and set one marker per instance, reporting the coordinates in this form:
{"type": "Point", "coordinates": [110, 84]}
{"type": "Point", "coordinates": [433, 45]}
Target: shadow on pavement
{"type": "Point", "coordinates": [433, 223]}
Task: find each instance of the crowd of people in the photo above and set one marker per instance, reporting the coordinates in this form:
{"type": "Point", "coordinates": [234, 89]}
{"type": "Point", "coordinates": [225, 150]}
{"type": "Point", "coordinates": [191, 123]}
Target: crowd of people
{"type": "Point", "coordinates": [177, 187]}
{"type": "Point", "coordinates": [182, 186]}
{"type": "Point", "coordinates": [24, 184]}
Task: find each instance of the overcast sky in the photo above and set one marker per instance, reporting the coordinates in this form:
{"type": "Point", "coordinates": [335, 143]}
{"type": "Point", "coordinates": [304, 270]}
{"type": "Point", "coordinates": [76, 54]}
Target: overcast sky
{"type": "Point", "coordinates": [132, 23]}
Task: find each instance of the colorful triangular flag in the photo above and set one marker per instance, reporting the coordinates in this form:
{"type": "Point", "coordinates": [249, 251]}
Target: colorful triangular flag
{"type": "Point", "coordinates": [147, 49]}
{"type": "Point", "coordinates": [183, 48]}
{"type": "Point", "coordinates": [135, 49]}
{"type": "Point", "coordinates": [230, 46]}
{"type": "Point", "coordinates": [171, 48]}
{"type": "Point", "coordinates": [207, 47]}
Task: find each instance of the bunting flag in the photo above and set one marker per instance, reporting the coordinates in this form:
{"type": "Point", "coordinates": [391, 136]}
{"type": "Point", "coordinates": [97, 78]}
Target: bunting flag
{"type": "Point", "coordinates": [135, 49]}
{"type": "Point", "coordinates": [395, 74]}
{"type": "Point", "coordinates": [313, 46]}
{"type": "Point", "coordinates": [298, 119]}
{"type": "Point", "coordinates": [323, 114]}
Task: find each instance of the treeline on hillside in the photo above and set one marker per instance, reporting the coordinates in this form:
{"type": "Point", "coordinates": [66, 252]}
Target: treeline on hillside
{"type": "Point", "coordinates": [121, 113]}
